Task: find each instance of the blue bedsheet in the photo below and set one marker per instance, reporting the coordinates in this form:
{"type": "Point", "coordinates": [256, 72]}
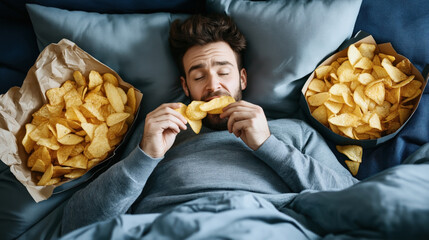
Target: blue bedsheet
{"type": "Point", "coordinates": [390, 205]}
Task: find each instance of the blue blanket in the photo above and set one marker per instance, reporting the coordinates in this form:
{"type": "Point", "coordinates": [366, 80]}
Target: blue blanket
{"type": "Point", "coordinates": [392, 204]}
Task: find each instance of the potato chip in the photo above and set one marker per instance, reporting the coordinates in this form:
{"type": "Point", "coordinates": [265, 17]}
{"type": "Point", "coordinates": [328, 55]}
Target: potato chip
{"type": "Point", "coordinates": [353, 166]}
{"type": "Point", "coordinates": [193, 111]}
{"type": "Point", "coordinates": [79, 78]}
{"type": "Point", "coordinates": [27, 142]}
{"type": "Point", "coordinates": [100, 144]}
{"type": "Point", "coordinates": [411, 88]}
{"type": "Point", "coordinates": [367, 50]}
{"type": "Point", "coordinates": [89, 110]}
{"type": "Point", "coordinates": [338, 89]}
{"type": "Point", "coordinates": [344, 120]}
{"type": "Point", "coordinates": [95, 79]}
{"type": "Point", "coordinates": [215, 103]}
{"type": "Point", "coordinates": [59, 171]}
{"type": "Point", "coordinates": [404, 114]}
{"type": "Point", "coordinates": [79, 161]}
{"type": "Point", "coordinates": [110, 78]}
{"type": "Point", "coordinates": [123, 95]}
{"type": "Point", "coordinates": [63, 153]}
{"type": "Point", "coordinates": [96, 99]}
{"type": "Point", "coordinates": [68, 85]}
{"type": "Point", "coordinates": [374, 121]}
{"type": "Point", "coordinates": [70, 139]}
{"type": "Point", "coordinates": [93, 162]}
{"type": "Point", "coordinates": [376, 92]}
{"type": "Point", "coordinates": [333, 106]}
{"type": "Point", "coordinates": [403, 83]}
{"type": "Point", "coordinates": [347, 131]}
{"type": "Point", "coordinates": [115, 118]}
{"type": "Point", "coordinates": [364, 63]}
{"type": "Point", "coordinates": [353, 54]}
{"type": "Point", "coordinates": [346, 73]}
{"type": "Point", "coordinates": [405, 66]}
{"type": "Point", "coordinates": [360, 99]}
{"type": "Point", "coordinates": [46, 176]}
{"type": "Point", "coordinates": [318, 99]}
{"type": "Point", "coordinates": [75, 173]}
{"type": "Point", "coordinates": [394, 73]}
{"type": "Point", "coordinates": [39, 166]}
{"type": "Point", "coordinates": [50, 143]}
{"type": "Point", "coordinates": [55, 95]}
{"type": "Point", "coordinates": [114, 97]}
{"type": "Point", "coordinates": [365, 78]}
{"type": "Point", "coordinates": [387, 57]}
{"type": "Point", "coordinates": [322, 71]}
{"type": "Point", "coordinates": [132, 102]}
{"type": "Point", "coordinates": [317, 85]}
{"type": "Point", "coordinates": [62, 130]}
{"type": "Point", "coordinates": [337, 99]}
{"type": "Point", "coordinates": [320, 114]}
{"type": "Point", "coordinates": [72, 98]}
{"type": "Point", "coordinates": [77, 149]}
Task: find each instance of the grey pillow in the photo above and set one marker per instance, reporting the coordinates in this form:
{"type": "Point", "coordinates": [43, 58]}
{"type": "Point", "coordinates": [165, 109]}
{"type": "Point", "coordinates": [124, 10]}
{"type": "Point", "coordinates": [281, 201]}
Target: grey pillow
{"type": "Point", "coordinates": [134, 45]}
{"type": "Point", "coordinates": [286, 41]}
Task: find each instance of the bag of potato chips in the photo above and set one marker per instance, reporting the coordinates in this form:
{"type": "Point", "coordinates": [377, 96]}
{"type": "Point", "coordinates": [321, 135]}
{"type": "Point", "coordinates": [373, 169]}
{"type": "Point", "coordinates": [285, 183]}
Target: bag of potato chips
{"type": "Point", "coordinates": [362, 96]}
{"type": "Point", "coordinates": [71, 114]}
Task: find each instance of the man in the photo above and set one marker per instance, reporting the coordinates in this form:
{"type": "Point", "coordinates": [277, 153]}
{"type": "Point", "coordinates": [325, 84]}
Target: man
{"type": "Point", "coordinates": [237, 151]}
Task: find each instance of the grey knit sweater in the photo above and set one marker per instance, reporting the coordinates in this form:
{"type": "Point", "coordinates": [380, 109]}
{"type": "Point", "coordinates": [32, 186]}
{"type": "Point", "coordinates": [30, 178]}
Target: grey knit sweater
{"type": "Point", "coordinates": [294, 158]}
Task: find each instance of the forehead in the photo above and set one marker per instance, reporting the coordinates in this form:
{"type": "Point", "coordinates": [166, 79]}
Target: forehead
{"type": "Point", "coordinates": [209, 53]}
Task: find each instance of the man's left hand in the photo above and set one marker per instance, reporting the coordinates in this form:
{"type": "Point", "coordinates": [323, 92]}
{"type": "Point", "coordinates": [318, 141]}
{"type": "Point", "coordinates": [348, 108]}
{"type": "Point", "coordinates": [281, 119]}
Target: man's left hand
{"type": "Point", "coordinates": [248, 122]}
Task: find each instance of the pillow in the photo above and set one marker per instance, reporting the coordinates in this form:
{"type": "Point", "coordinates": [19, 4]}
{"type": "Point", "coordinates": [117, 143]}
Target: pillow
{"type": "Point", "coordinates": [286, 41]}
{"type": "Point", "coordinates": [134, 45]}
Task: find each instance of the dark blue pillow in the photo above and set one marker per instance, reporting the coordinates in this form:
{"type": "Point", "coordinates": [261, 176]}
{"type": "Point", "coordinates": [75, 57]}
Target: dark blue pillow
{"type": "Point", "coordinates": [403, 23]}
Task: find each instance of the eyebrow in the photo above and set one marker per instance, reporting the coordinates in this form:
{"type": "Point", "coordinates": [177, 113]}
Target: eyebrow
{"type": "Point", "coordinates": [216, 63]}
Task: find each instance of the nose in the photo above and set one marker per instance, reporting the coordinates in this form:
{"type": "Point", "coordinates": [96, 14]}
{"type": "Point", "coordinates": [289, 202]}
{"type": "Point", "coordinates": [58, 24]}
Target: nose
{"type": "Point", "coordinates": [213, 82]}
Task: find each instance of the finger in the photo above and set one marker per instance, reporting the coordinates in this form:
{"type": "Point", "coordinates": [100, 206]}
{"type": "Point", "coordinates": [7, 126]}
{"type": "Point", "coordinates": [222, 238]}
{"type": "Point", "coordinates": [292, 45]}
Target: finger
{"type": "Point", "coordinates": [153, 121]}
{"type": "Point", "coordinates": [238, 116]}
{"type": "Point", "coordinates": [238, 103]}
{"type": "Point", "coordinates": [239, 127]}
{"type": "Point", "coordinates": [167, 109]}
{"type": "Point", "coordinates": [228, 112]}
{"type": "Point", "coordinates": [168, 125]}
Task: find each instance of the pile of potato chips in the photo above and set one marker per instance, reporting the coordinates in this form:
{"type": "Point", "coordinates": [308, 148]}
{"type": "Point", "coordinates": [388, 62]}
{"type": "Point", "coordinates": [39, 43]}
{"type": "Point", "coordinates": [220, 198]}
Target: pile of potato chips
{"type": "Point", "coordinates": [82, 123]}
{"type": "Point", "coordinates": [197, 110]}
{"type": "Point", "coordinates": [363, 95]}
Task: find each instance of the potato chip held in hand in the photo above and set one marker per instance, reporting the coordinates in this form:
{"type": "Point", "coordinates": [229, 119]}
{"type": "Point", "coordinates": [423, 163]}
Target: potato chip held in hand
{"type": "Point", "coordinates": [197, 110]}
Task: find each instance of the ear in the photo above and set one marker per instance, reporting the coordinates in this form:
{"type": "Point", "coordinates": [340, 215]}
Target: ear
{"type": "Point", "coordinates": [184, 86]}
{"type": "Point", "coordinates": [243, 78]}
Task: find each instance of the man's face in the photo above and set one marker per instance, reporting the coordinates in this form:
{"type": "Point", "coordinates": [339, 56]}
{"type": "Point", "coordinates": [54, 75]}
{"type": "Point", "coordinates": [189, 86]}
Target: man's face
{"type": "Point", "coordinates": [211, 71]}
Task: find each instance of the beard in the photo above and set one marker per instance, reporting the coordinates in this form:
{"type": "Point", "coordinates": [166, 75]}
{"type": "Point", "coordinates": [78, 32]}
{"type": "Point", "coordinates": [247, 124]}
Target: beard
{"type": "Point", "coordinates": [213, 121]}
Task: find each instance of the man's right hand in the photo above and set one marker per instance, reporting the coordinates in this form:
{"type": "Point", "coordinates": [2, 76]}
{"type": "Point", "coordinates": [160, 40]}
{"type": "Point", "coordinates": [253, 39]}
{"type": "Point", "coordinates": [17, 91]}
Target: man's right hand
{"type": "Point", "coordinates": [161, 128]}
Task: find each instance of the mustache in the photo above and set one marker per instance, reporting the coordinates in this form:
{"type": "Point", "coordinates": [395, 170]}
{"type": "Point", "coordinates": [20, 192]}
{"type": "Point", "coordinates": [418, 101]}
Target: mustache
{"type": "Point", "coordinates": [216, 93]}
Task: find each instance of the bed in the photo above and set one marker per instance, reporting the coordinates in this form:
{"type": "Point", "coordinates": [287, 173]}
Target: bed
{"type": "Point", "coordinates": [390, 203]}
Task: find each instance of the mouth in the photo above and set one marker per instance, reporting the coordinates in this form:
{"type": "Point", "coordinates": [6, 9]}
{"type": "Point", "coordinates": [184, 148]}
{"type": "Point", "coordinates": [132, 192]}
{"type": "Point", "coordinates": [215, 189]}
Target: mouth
{"type": "Point", "coordinates": [210, 98]}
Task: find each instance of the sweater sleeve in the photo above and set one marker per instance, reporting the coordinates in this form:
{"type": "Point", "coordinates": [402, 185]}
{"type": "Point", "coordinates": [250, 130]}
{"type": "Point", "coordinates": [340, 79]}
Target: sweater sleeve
{"type": "Point", "coordinates": [111, 194]}
{"type": "Point", "coordinates": [310, 165]}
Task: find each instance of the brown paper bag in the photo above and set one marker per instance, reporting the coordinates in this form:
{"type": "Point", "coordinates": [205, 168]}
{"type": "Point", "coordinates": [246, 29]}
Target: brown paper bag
{"type": "Point", "coordinates": [55, 64]}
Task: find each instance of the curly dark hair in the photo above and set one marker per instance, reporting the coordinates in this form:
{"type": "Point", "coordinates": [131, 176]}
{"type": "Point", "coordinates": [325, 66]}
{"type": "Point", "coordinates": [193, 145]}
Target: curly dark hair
{"type": "Point", "coordinates": [201, 30]}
